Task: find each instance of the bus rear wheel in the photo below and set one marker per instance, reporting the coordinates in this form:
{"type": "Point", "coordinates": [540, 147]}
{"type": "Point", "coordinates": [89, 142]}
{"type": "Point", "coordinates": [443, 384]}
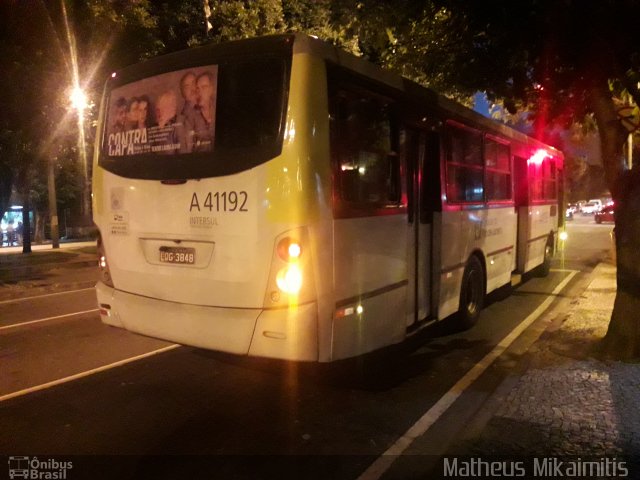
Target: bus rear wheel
{"type": "Point", "coordinates": [471, 294]}
{"type": "Point", "coordinates": [543, 270]}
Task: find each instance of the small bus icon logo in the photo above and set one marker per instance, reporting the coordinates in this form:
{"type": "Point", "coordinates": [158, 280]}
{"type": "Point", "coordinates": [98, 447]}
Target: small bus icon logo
{"type": "Point", "coordinates": [18, 467]}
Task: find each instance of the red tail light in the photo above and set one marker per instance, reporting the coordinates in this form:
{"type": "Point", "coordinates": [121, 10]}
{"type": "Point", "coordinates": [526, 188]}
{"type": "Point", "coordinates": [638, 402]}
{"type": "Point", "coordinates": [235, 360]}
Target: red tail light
{"type": "Point", "coordinates": [291, 277]}
{"type": "Point", "coordinates": [103, 264]}
{"type": "Point", "coordinates": [289, 249]}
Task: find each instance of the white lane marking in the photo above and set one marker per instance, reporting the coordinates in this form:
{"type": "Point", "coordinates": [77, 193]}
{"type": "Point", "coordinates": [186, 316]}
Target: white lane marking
{"type": "Point", "coordinates": [31, 322]}
{"type": "Point", "coordinates": [23, 299]}
{"type": "Point", "coordinates": [384, 462]}
{"type": "Point", "coordinates": [80, 375]}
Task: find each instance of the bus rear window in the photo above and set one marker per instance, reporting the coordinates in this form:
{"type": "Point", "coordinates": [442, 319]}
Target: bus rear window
{"type": "Point", "coordinates": [170, 113]}
{"type": "Point", "coordinates": [196, 122]}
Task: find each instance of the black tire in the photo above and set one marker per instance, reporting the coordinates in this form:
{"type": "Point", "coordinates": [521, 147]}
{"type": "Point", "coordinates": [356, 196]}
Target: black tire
{"type": "Point", "coordinates": [543, 270]}
{"type": "Point", "coordinates": [598, 219]}
{"type": "Point", "coordinates": [472, 293]}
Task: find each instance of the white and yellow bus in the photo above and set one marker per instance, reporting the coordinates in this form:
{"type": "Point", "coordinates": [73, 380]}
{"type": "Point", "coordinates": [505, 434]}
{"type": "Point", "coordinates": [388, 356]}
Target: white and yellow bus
{"type": "Point", "coordinates": [278, 197]}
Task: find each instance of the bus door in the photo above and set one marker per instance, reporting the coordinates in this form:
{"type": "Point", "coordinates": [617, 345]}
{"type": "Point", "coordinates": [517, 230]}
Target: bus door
{"type": "Point", "coordinates": [419, 228]}
{"type": "Point", "coordinates": [522, 207]}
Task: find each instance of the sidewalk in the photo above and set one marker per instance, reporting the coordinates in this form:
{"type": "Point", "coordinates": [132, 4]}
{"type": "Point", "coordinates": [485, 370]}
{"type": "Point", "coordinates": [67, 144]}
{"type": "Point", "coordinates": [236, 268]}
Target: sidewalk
{"type": "Point", "coordinates": [557, 403]}
{"type": "Point", "coordinates": [45, 270]}
{"type": "Point", "coordinates": [567, 402]}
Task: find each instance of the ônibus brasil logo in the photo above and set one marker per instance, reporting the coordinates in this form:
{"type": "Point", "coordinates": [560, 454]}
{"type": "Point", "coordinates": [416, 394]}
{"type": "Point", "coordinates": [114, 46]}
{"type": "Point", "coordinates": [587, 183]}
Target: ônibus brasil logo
{"type": "Point", "coordinates": [33, 468]}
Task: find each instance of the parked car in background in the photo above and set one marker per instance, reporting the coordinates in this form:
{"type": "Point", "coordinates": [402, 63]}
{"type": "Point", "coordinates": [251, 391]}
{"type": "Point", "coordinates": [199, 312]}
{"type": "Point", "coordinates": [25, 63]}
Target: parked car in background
{"type": "Point", "coordinates": [591, 207]}
{"type": "Point", "coordinates": [599, 202]}
{"type": "Point", "coordinates": [571, 209]}
{"type": "Point", "coordinates": [607, 214]}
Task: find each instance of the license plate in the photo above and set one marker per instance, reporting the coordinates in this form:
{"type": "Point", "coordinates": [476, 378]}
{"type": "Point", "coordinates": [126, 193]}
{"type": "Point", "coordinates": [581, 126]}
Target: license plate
{"type": "Point", "coordinates": [178, 255]}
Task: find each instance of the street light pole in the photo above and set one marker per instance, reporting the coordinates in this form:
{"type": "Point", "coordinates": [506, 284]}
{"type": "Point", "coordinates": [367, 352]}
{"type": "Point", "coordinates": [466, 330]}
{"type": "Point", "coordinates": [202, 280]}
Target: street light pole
{"type": "Point", "coordinates": [79, 102]}
{"type": "Point", "coordinates": [85, 194]}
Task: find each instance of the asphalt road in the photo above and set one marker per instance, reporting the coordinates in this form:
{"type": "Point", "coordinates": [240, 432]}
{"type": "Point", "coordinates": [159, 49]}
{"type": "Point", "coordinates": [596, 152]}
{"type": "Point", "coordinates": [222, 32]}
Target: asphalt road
{"type": "Point", "coordinates": [73, 386]}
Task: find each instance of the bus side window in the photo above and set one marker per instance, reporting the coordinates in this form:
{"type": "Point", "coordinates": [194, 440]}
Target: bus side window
{"type": "Point", "coordinates": [543, 180]}
{"type": "Point", "coordinates": [550, 180]}
{"type": "Point", "coordinates": [497, 158]}
{"type": "Point", "coordinates": [465, 171]}
{"type": "Point", "coordinates": [367, 166]}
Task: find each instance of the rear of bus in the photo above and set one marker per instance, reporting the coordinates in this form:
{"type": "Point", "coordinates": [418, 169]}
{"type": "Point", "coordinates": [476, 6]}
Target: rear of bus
{"type": "Point", "coordinates": [211, 192]}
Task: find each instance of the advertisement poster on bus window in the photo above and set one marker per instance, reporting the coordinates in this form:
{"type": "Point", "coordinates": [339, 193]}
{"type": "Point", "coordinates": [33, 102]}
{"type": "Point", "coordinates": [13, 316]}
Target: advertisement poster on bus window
{"type": "Point", "coordinates": [172, 113]}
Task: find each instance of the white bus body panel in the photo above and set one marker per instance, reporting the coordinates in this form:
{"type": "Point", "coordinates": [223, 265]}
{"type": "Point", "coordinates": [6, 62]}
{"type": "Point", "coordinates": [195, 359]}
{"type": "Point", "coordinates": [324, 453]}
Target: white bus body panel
{"type": "Point", "coordinates": [213, 303]}
{"type": "Point", "coordinates": [498, 235]}
{"type": "Point", "coordinates": [232, 250]}
{"type": "Point", "coordinates": [535, 225]}
{"type": "Point", "coordinates": [370, 261]}
{"type": "Point", "coordinates": [452, 258]}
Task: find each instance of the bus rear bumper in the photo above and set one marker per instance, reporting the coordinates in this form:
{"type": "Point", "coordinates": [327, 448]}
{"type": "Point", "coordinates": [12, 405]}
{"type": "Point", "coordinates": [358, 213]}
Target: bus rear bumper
{"type": "Point", "coordinates": [288, 333]}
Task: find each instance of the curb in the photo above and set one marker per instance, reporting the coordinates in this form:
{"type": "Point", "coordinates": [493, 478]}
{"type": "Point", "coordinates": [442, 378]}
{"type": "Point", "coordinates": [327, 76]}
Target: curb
{"type": "Point", "coordinates": [16, 296]}
{"type": "Point", "coordinates": [557, 401]}
{"type": "Point", "coordinates": [26, 270]}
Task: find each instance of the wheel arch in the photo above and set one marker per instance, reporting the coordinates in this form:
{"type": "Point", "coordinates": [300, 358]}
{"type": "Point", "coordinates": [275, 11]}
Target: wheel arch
{"type": "Point", "coordinates": [472, 299]}
{"type": "Point", "coordinates": [483, 262]}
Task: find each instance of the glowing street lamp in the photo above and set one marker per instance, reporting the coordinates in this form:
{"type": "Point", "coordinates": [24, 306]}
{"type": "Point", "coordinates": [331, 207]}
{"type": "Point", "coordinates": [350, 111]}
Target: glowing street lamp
{"type": "Point", "coordinates": [78, 99]}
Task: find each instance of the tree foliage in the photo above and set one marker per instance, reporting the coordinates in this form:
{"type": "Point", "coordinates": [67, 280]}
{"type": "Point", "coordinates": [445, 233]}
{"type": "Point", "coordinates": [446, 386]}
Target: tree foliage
{"type": "Point", "coordinates": [29, 95]}
{"type": "Point", "coordinates": [232, 20]}
{"type": "Point", "coordinates": [41, 55]}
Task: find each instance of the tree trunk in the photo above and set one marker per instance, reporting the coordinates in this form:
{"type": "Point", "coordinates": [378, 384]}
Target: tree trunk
{"type": "Point", "coordinates": [26, 222]}
{"type": "Point", "coordinates": [623, 336]}
{"type": "Point", "coordinates": [24, 188]}
{"type": "Point", "coordinates": [6, 182]}
{"type": "Point", "coordinates": [39, 228]}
